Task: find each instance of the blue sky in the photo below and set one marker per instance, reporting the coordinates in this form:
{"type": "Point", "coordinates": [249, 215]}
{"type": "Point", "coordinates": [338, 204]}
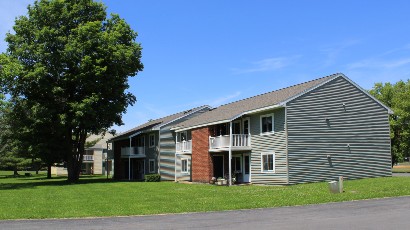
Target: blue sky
{"type": "Point", "coordinates": [214, 52]}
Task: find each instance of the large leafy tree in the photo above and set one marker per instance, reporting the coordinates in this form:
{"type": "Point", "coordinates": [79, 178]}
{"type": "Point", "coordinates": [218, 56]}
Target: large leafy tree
{"type": "Point", "coordinates": [9, 158]}
{"type": "Point", "coordinates": [68, 67]}
{"type": "Point", "coordinates": [397, 97]}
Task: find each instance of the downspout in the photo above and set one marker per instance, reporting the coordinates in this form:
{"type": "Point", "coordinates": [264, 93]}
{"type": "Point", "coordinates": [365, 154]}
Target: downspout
{"type": "Point", "coordinates": [175, 164]}
{"type": "Point", "coordinates": [106, 160]}
{"type": "Point", "coordinates": [287, 140]}
{"type": "Point", "coordinates": [230, 154]}
{"type": "Point", "coordinates": [159, 152]}
{"type": "Point", "coordinates": [129, 162]}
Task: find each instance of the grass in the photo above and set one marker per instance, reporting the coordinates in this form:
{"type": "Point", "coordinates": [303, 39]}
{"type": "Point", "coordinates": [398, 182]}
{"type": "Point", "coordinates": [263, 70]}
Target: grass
{"type": "Point", "coordinates": [93, 196]}
{"type": "Point", "coordinates": [402, 168]}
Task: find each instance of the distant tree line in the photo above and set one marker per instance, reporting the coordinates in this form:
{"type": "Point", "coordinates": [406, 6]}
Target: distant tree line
{"type": "Point", "coordinates": [397, 97]}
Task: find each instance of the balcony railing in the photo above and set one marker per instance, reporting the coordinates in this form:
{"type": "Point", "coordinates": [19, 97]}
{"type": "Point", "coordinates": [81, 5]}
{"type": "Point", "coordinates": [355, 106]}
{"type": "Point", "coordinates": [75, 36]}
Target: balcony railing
{"type": "Point", "coordinates": [239, 141]}
{"type": "Point", "coordinates": [88, 157]}
{"type": "Point", "coordinates": [133, 151]}
{"type": "Point", "coordinates": [184, 147]}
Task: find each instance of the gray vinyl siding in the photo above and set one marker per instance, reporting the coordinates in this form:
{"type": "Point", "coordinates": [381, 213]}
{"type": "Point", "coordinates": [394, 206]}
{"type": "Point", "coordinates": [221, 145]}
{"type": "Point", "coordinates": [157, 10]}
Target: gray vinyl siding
{"type": "Point", "coordinates": [151, 152]}
{"type": "Point", "coordinates": [318, 148]}
{"type": "Point", "coordinates": [180, 175]}
{"type": "Point", "coordinates": [269, 143]}
{"type": "Point", "coordinates": [167, 149]}
{"type": "Point", "coordinates": [167, 154]}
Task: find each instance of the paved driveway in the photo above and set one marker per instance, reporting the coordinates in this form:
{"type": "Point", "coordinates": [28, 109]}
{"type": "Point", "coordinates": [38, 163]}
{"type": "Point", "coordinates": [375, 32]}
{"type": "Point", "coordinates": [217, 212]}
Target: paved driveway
{"type": "Point", "coordinates": [401, 174]}
{"type": "Point", "coordinates": [390, 213]}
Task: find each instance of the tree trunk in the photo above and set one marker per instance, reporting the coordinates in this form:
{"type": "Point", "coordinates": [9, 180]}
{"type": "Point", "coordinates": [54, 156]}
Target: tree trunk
{"type": "Point", "coordinates": [49, 171]}
{"type": "Point", "coordinates": [74, 168]}
{"type": "Point", "coordinates": [15, 171]}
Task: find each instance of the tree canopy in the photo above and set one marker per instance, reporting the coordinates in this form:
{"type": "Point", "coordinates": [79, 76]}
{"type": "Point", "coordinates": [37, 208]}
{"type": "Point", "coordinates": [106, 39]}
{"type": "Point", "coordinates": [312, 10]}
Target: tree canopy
{"type": "Point", "coordinates": [66, 70]}
{"type": "Point", "coordinates": [397, 97]}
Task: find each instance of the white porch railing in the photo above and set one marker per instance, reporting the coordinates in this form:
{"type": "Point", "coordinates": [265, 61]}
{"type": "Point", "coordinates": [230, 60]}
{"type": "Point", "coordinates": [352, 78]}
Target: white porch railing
{"type": "Point", "coordinates": [127, 151]}
{"type": "Point", "coordinates": [238, 141]}
{"type": "Point", "coordinates": [88, 157]}
{"type": "Point", "coordinates": [184, 147]}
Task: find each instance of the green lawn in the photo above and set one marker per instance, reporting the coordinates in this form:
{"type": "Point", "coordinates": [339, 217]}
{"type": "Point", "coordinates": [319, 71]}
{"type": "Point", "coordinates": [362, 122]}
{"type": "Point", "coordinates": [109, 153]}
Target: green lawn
{"type": "Point", "coordinates": [37, 197]}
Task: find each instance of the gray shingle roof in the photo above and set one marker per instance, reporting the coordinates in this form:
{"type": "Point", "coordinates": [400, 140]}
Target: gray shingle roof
{"type": "Point", "coordinates": [229, 111]}
{"type": "Point", "coordinates": [157, 122]}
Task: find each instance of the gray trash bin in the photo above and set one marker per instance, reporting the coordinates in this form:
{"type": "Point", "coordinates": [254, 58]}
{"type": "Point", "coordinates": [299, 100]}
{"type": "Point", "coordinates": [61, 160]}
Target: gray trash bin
{"type": "Point", "coordinates": [334, 186]}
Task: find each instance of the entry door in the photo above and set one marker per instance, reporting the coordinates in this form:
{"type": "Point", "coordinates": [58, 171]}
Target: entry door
{"type": "Point", "coordinates": [218, 166]}
{"type": "Point", "coordinates": [236, 164]}
{"type": "Point", "coordinates": [246, 168]}
{"type": "Point", "coordinates": [246, 125]}
{"type": "Point", "coordinates": [139, 169]}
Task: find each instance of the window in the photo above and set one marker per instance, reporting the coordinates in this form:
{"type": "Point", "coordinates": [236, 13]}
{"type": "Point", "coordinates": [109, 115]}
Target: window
{"type": "Point", "coordinates": [268, 162]}
{"type": "Point", "coordinates": [89, 152]}
{"type": "Point", "coordinates": [236, 127]}
{"type": "Point", "coordinates": [246, 126]}
{"type": "Point", "coordinates": [267, 122]}
{"type": "Point", "coordinates": [182, 136]}
{"type": "Point", "coordinates": [184, 165]}
{"type": "Point", "coordinates": [151, 165]}
{"type": "Point", "coordinates": [220, 130]}
{"type": "Point", "coordinates": [236, 164]}
{"type": "Point", "coordinates": [152, 140]}
{"type": "Point", "coordinates": [141, 141]}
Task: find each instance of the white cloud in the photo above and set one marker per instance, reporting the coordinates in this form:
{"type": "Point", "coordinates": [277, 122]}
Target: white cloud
{"type": "Point", "coordinates": [267, 64]}
{"type": "Point", "coordinates": [224, 99]}
{"type": "Point", "coordinates": [389, 66]}
{"type": "Point", "coordinates": [379, 63]}
{"type": "Point", "coordinates": [332, 52]}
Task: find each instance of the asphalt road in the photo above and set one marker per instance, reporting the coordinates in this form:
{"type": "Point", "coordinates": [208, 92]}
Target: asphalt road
{"type": "Point", "coordinates": [389, 213]}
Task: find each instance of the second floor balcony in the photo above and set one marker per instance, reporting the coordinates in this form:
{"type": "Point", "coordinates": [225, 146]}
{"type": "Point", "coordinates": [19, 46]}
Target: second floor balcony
{"type": "Point", "coordinates": [133, 152]}
{"type": "Point", "coordinates": [88, 157]}
{"type": "Point", "coordinates": [222, 143]}
{"type": "Point", "coordinates": [184, 147]}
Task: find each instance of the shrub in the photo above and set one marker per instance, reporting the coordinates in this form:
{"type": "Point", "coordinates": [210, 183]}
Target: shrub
{"type": "Point", "coordinates": [152, 178]}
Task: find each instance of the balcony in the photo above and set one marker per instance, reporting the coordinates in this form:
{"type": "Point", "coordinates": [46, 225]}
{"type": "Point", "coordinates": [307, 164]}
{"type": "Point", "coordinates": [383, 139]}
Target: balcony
{"type": "Point", "coordinates": [133, 152]}
{"type": "Point", "coordinates": [88, 157]}
{"type": "Point", "coordinates": [184, 147]}
{"type": "Point", "coordinates": [221, 143]}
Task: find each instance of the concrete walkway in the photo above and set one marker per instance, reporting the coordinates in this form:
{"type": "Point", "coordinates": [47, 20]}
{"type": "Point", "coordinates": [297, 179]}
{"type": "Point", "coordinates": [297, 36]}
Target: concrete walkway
{"type": "Point", "coordinates": [390, 213]}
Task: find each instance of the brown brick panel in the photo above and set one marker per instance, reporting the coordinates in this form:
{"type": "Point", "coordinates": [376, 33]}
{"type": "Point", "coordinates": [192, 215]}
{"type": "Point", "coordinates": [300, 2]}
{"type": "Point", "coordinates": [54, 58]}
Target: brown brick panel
{"type": "Point", "coordinates": [202, 166]}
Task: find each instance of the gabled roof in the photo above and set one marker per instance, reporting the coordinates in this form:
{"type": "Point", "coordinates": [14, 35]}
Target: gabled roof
{"type": "Point", "coordinates": [277, 98]}
{"type": "Point", "coordinates": [157, 123]}
{"type": "Point", "coordinates": [102, 143]}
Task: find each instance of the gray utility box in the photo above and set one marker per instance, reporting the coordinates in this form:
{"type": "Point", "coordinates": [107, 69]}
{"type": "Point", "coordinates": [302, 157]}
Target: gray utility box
{"type": "Point", "coordinates": [336, 186]}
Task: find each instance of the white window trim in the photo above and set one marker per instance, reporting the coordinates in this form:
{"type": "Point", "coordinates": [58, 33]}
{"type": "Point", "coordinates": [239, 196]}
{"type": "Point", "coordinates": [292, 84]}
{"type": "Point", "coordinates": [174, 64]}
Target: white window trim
{"type": "Point", "coordinates": [274, 164]}
{"type": "Point", "coordinates": [151, 170]}
{"type": "Point", "coordinates": [149, 140]}
{"type": "Point", "coordinates": [273, 124]}
{"type": "Point", "coordinates": [187, 161]}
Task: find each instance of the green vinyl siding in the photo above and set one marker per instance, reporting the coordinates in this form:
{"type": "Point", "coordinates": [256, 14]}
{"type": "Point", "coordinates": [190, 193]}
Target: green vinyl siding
{"type": "Point", "coordinates": [269, 143]}
{"type": "Point", "coordinates": [151, 152]}
{"type": "Point", "coordinates": [167, 150]}
{"type": "Point", "coordinates": [337, 130]}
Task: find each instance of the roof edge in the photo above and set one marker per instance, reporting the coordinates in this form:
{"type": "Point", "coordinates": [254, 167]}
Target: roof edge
{"type": "Point", "coordinates": [185, 115]}
{"type": "Point", "coordinates": [180, 129]}
{"type": "Point", "coordinates": [390, 111]}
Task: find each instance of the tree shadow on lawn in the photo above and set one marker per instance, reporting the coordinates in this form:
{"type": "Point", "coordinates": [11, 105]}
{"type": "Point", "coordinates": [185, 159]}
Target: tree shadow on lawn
{"type": "Point", "coordinates": [43, 181]}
